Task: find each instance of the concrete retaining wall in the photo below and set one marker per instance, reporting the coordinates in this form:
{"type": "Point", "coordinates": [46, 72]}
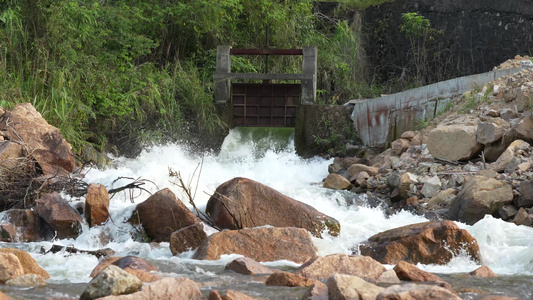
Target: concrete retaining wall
{"type": "Point", "coordinates": [382, 120]}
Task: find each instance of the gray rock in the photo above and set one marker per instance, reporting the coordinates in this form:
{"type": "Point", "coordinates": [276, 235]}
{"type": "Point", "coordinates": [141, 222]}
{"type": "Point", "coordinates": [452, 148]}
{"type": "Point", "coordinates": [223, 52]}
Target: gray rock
{"type": "Point", "coordinates": [111, 281]}
{"type": "Point", "coordinates": [507, 212]}
{"type": "Point", "coordinates": [491, 130]}
{"type": "Point", "coordinates": [431, 187]}
{"type": "Point", "coordinates": [526, 194]}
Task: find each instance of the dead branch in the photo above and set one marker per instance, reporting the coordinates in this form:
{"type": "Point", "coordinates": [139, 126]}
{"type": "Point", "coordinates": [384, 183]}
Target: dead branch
{"type": "Point", "coordinates": [136, 184]}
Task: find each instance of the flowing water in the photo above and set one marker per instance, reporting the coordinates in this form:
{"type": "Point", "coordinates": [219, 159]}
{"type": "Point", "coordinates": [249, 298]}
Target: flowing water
{"type": "Point", "coordinates": [506, 248]}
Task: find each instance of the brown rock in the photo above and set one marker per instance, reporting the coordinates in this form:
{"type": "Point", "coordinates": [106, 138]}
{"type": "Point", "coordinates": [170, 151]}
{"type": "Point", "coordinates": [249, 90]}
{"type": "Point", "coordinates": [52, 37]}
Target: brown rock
{"type": "Point", "coordinates": [32, 280]}
{"type": "Point", "coordinates": [491, 130]}
{"type": "Point", "coordinates": [164, 289]}
{"type": "Point", "coordinates": [483, 271]}
{"type": "Point", "coordinates": [503, 161]}
{"type": "Point", "coordinates": [229, 295]}
{"type": "Point", "coordinates": [523, 217]}
{"type": "Point", "coordinates": [10, 153]}
{"type": "Point", "coordinates": [4, 296]}
{"type": "Point", "coordinates": [247, 266]}
{"type": "Point", "coordinates": [348, 161]}
{"type": "Point", "coordinates": [244, 203]}
{"type": "Point", "coordinates": [524, 129]}
{"type": "Point", "coordinates": [188, 238]}
{"type": "Point", "coordinates": [317, 291]}
{"type": "Point", "coordinates": [25, 125]}
{"type": "Point", "coordinates": [480, 196]}
{"type": "Point", "coordinates": [27, 225]}
{"type": "Point", "coordinates": [337, 182]}
{"type": "Point", "coordinates": [10, 267]}
{"type": "Point", "coordinates": [289, 279]}
{"type": "Point", "coordinates": [260, 244]}
{"type": "Point", "coordinates": [408, 135]}
{"type": "Point", "coordinates": [409, 272]}
{"type": "Point", "coordinates": [162, 214]}
{"type": "Point", "coordinates": [103, 264]}
{"type": "Point", "coordinates": [357, 168]}
{"type": "Point", "coordinates": [414, 291]}
{"type": "Point", "coordinates": [131, 264]}
{"type": "Point", "coordinates": [96, 205]}
{"type": "Point", "coordinates": [59, 215]}
{"type": "Point", "coordinates": [111, 281]}
{"type": "Point", "coordinates": [389, 276]}
{"type": "Point", "coordinates": [324, 267]}
{"type": "Point", "coordinates": [496, 297]}
{"type": "Point", "coordinates": [399, 146]}
{"type": "Point", "coordinates": [453, 142]}
{"type": "Point", "coordinates": [428, 243]}
{"type": "Point", "coordinates": [342, 287]}
{"type": "Point", "coordinates": [29, 264]}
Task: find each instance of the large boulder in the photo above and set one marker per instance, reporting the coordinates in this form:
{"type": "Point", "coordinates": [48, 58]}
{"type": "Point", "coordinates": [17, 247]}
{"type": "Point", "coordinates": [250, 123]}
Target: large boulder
{"type": "Point", "coordinates": [10, 267]}
{"type": "Point", "coordinates": [111, 281]}
{"type": "Point", "coordinates": [27, 226]}
{"type": "Point", "coordinates": [25, 125]}
{"type": "Point", "coordinates": [480, 196]}
{"type": "Point", "coordinates": [260, 244]}
{"type": "Point", "coordinates": [64, 219]}
{"type": "Point", "coordinates": [162, 214]}
{"type": "Point", "coordinates": [325, 267]}
{"type": "Point", "coordinates": [341, 287]}
{"type": "Point", "coordinates": [453, 142]}
{"type": "Point", "coordinates": [428, 243]}
{"type": "Point", "coordinates": [413, 291]}
{"type": "Point", "coordinates": [244, 203]}
{"type": "Point", "coordinates": [29, 264]}
{"type": "Point", "coordinates": [188, 238]}
{"type": "Point", "coordinates": [96, 205]}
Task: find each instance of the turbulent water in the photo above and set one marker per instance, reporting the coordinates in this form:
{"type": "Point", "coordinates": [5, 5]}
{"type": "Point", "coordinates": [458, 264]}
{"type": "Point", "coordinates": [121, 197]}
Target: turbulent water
{"type": "Point", "coordinates": [506, 248]}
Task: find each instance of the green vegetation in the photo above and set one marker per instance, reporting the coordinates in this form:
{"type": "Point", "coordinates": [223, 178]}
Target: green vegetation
{"type": "Point", "coordinates": [124, 73]}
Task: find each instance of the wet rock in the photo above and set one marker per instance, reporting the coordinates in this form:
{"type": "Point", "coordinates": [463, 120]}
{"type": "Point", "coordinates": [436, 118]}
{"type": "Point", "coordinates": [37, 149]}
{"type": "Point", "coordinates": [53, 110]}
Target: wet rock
{"type": "Point", "coordinates": [111, 281]}
{"type": "Point", "coordinates": [229, 295]}
{"type": "Point", "coordinates": [409, 272]}
{"type": "Point", "coordinates": [59, 215]}
{"type": "Point", "coordinates": [162, 214]}
{"type": "Point", "coordinates": [241, 203]}
{"type": "Point", "coordinates": [10, 267]}
{"type": "Point", "coordinates": [96, 205]}
{"type": "Point", "coordinates": [431, 187]}
{"type": "Point", "coordinates": [247, 266]}
{"type": "Point", "coordinates": [324, 267]}
{"type": "Point", "coordinates": [28, 263]}
{"type": "Point", "coordinates": [341, 287]}
{"type": "Point", "coordinates": [27, 226]}
{"type": "Point", "coordinates": [453, 142]}
{"type": "Point", "coordinates": [526, 194]}
{"type": "Point", "coordinates": [28, 280]}
{"type": "Point", "coordinates": [131, 264]}
{"type": "Point", "coordinates": [491, 130]}
{"type": "Point", "coordinates": [163, 289]}
{"type": "Point", "coordinates": [414, 291]}
{"type": "Point", "coordinates": [289, 279]}
{"type": "Point", "coordinates": [480, 196]}
{"type": "Point", "coordinates": [434, 242]}
{"type": "Point", "coordinates": [337, 182]}
{"type": "Point", "coordinates": [507, 212]}
{"type": "Point", "coordinates": [106, 252]}
{"type": "Point", "coordinates": [503, 161]}
{"type": "Point", "coordinates": [24, 124]}
{"type": "Point", "coordinates": [317, 291]}
{"type": "Point", "coordinates": [188, 238]}
{"type": "Point", "coordinates": [260, 244]}
{"type": "Point", "coordinates": [496, 297]}
{"type": "Point", "coordinates": [483, 271]}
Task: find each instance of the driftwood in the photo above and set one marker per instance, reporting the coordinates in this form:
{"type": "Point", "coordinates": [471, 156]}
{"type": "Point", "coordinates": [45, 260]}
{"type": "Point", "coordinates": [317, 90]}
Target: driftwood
{"type": "Point", "coordinates": [71, 250]}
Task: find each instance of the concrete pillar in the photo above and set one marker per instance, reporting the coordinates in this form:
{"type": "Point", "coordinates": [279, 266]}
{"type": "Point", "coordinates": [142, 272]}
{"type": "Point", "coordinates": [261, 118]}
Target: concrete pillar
{"type": "Point", "coordinates": [309, 71]}
{"type": "Point", "coordinates": [222, 85]}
